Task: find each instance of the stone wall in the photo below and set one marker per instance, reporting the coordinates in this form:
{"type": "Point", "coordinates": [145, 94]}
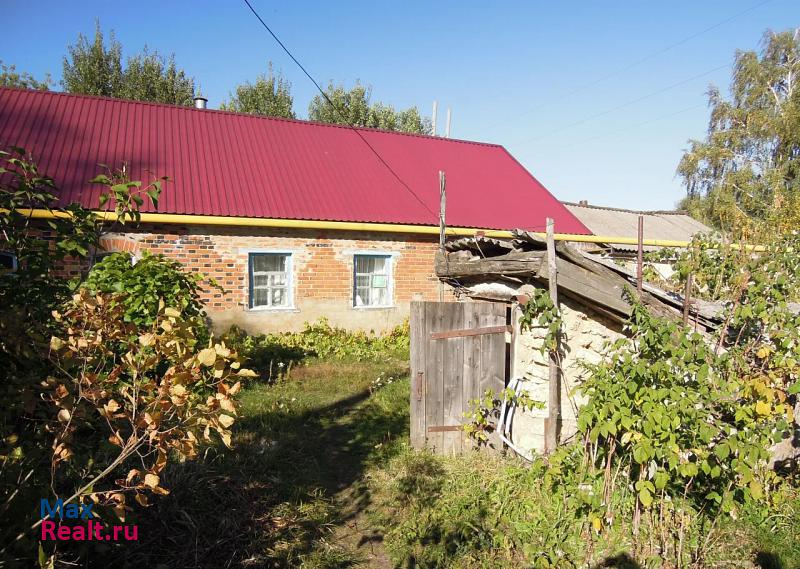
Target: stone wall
{"type": "Point", "coordinates": [586, 336]}
{"type": "Point", "coordinates": [322, 271]}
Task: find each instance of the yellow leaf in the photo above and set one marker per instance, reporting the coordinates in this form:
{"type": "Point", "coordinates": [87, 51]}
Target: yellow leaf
{"type": "Point", "coordinates": [111, 407]}
{"type": "Point", "coordinates": [146, 339]}
{"type": "Point", "coordinates": [762, 352]}
{"type": "Point", "coordinates": [246, 373]}
{"type": "Point", "coordinates": [227, 405]}
{"type": "Point", "coordinates": [177, 390]}
{"type": "Point", "coordinates": [207, 357]}
{"type": "Point", "coordinates": [597, 524]}
{"type": "Point", "coordinates": [226, 420]}
{"type": "Point", "coordinates": [763, 408]}
{"type": "Point", "coordinates": [226, 438]}
{"type": "Point", "coordinates": [64, 416]}
{"type": "Point", "coordinates": [151, 480]}
{"type": "Point", "coordinates": [142, 500]}
{"type": "Point", "coordinates": [222, 351]}
{"type": "Point", "coordinates": [172, 312]}
{"type": "Point", "coordinates": [56, 343]}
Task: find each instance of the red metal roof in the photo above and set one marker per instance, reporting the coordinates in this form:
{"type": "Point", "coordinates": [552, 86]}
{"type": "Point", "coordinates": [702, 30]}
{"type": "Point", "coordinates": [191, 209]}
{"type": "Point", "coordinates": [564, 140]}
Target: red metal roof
{"type": "Point", "coordinates": [230, 164]}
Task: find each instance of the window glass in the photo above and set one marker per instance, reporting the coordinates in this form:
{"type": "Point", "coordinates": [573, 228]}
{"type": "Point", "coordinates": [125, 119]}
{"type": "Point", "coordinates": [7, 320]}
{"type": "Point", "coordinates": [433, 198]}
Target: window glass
{"type": "Point", "coordinates": [269, 280]}
{"type": "Point", "coordinates": [372, 279]}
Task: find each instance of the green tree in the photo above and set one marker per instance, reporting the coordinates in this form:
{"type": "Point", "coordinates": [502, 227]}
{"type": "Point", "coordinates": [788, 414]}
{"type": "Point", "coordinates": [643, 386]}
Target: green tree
{"type": "Point", "coordinates": [10, 77]}
{"type": "Point", "coordinates": [353, 107]}
{"type": "Point", "coordinates": [744, 176]}
{"type": "Point", "coordinates": [96, 69]}
{"type": "Point", "coordinates": [151, 77]}
{"type": "Point", "coordinates": [269, 96]}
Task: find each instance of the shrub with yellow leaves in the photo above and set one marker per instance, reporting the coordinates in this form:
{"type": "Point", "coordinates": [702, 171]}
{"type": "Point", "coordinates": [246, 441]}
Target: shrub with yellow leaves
{"type": "Point", "coordinates": [147, 391]}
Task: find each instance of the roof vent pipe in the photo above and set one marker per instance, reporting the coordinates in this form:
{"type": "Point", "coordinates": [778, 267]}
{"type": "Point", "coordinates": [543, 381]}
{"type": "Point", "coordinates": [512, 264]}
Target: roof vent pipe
{"type": "Point", "coordinates": [200, 102]}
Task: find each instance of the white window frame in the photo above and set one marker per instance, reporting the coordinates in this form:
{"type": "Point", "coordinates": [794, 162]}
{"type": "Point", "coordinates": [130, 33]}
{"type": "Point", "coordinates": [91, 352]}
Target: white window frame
{"type": "Point", "coordinates": [390, 263]}
{"type": "Point", "coordinates": [289, 280]}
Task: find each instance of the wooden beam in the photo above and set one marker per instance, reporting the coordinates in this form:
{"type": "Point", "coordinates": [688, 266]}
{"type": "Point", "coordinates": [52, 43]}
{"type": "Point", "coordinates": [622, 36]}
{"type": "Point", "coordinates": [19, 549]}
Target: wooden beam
{"type": "Point", "coordinates": [554, 395]}
{"type": "Point", "coordinates": [517, 263]}
{"type": "Point", "coordinates": [470, 332]}
{"type": "Point", "coordinates": [640, 256]}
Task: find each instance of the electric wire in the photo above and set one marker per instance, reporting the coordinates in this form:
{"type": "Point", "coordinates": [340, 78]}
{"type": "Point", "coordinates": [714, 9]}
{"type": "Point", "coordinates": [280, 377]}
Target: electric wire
{"type": "Point", "coordinates": [626, 104]}
{"type": "Point", "coordinates": [338, 112]}
{"type": "Point", "coordinates": [638, 62]}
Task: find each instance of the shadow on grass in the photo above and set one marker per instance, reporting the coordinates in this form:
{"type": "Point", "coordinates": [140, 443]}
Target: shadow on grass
{"type": "Point", "coordinates": [270, 502]}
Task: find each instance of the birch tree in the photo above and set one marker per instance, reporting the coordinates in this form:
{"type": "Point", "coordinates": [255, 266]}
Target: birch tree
{"type": "Point", "coordinates": [745, 175]}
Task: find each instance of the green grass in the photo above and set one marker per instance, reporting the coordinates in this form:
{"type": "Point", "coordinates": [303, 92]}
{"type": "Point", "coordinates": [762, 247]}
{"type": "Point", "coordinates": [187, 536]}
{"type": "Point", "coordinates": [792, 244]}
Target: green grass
{"type": "Point", "coordinates": [292, 482]}
{"type": "Point", "coordinates": [321, 476]}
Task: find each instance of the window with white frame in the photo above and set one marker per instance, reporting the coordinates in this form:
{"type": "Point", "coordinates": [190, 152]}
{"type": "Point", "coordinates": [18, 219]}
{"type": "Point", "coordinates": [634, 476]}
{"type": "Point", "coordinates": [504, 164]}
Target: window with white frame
{"type": "Point", "coordinates": [372, 280]}
{"type": "Point", "coordinates": [270, 280]}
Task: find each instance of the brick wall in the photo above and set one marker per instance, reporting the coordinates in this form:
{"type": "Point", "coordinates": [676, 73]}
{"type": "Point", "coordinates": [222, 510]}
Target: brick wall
{"type": "Point", "coordinates": [322, 267]}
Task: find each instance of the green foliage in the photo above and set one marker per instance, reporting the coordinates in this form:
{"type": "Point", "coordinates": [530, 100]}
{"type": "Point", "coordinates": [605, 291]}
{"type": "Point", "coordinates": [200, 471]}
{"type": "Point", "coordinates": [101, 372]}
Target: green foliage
{"type": "Point", "coordinates": [100, 390]}
{"type": "Point", "coordinates": [540, 311]}
{"type": "Point", "coordinates": [743, 176]}
{"type": "Point", "coordinates": [96, 69]}
{"type": "Point", "coordinates": [10, 77]}
{"type": "Point", "coordinates": [481, 419]}
{"type": "Point", "coordinates": [353, 107]}
{"type": "Point", "coordinates": [145, 283]}
{"type": "Point", "coordinates": [273, 354]}
{"type": "Point", "coordinates": [269, 96]}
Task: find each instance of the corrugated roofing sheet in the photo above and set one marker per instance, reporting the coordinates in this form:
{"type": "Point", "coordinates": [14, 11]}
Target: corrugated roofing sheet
{"type": "Point", "coordinates": [231, 164]}
{"type": "Point", "coordinates": [676, 226]}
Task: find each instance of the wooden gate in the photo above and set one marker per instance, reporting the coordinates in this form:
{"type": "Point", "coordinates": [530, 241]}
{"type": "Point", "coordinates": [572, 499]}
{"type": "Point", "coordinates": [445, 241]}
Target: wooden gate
{"type": "Point", "coordinates": [458, 351]}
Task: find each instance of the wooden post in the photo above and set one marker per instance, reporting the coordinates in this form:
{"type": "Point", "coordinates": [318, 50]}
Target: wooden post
{"type": "Point", "coordinates": [687, 293]}
{"type": "Point", "coordinates": [553, 425]}
{"type": "Point", "coordinates": [442, 222]}
{"type": "Point", "coordinates": [442, 208]}
{"type": "Point", "coordinates": [640, 256]}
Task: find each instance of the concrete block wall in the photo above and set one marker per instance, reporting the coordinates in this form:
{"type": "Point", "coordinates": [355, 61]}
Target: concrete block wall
{"type": "Point", "coordinates": [322, 267]}
{"type": "Point", "coordinates": [586, 336]}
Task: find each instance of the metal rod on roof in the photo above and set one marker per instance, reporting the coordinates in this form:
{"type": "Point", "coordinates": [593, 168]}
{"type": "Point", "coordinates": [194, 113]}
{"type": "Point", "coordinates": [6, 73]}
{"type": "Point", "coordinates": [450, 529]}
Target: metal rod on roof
{"type": "Point", "coordinates": [433, 117]}
{"type": "Point", "coordinates": [640, 256]}
{"type": "Point", "coordinates": [447, 124]}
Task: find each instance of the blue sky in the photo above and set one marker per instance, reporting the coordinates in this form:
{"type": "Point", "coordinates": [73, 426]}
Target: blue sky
{"type": "Point", "coordinates": [596, 99]}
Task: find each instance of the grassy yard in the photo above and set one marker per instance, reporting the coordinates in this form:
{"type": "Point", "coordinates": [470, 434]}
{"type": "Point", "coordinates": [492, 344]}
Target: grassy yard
{"type": "Point", "coordinates": [321, 476]}
{"type": "Point", "coordinates": [292, 491]}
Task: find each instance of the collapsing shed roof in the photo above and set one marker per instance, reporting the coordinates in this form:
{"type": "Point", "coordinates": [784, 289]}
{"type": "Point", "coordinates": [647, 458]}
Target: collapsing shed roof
{"type": "Point", "coordinates": [469, 264]}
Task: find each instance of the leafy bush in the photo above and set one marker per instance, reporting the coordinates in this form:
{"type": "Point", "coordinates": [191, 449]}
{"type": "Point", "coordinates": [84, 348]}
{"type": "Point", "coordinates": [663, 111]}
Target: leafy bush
{"type": "Point", "coordinates": [142, 285]}
{"type": "Point", "coordinates": [273, 354]}
{"type": "Point", "coordinates": [101, 388]}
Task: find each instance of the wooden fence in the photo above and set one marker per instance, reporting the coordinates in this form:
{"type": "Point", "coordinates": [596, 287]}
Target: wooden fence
{"type": "Point", "coordinates": [458, 351]}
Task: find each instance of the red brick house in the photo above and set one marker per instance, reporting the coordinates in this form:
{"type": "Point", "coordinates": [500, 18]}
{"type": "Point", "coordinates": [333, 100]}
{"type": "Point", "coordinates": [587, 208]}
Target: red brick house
{"type": "Point", "coordinates": [295, 219]}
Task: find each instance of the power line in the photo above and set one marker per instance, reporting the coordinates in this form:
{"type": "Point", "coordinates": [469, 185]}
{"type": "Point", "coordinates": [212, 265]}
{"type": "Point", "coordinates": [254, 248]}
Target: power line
{"type": "Point", "coordinates": [638, 125]}
{"type": "Point", "coordinates": [336, 109]}
{"type": "Point", "coordinates": [638, 62]}
{"type": "Point", "coordinates": [626, 104]}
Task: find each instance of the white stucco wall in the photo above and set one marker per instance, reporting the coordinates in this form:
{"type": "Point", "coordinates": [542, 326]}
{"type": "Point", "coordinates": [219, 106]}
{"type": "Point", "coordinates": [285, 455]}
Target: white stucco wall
{"type": "Point", "coordinates": [586, 336]}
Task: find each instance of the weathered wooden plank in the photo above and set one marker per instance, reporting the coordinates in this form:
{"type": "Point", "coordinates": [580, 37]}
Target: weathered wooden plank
{"type": "Point", "coordinates": [512, 263]}
{"type": "Point", "coordinates": [470, 332]}
{"type": "Point", "coordinates": [554, 387]}
{"type": "Point", "coordinates": [419, 342]}
{"type": "Point", "coordinates": [434, 363]}
{"type": "Point", "coordinates": [452, 377]}
{"type": "Point", "coordinates": [444, 429]}
{"type": "Point", "coordinates": [493, 357]}
{"type": "Point", "coordinates": [591, 286]}
{"type": "Point", "coordinates": [471, 368]}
